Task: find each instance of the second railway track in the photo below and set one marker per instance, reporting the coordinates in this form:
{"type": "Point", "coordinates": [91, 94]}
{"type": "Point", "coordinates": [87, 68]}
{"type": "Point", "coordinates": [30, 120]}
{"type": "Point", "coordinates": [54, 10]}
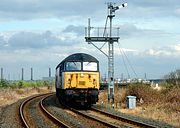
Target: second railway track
{"type": "Point", "coordinates": [34, 114]}
{"type": "Point", "coordinates": [110, 120]}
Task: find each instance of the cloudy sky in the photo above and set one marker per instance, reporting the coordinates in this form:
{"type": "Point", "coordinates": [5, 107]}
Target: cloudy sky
{"type": "Point", "coordinates": [40, 33]}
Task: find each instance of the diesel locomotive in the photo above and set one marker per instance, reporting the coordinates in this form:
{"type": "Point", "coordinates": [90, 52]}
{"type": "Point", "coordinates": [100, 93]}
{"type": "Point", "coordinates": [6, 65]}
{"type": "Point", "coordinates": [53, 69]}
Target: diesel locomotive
{"type": "Point", "coordinates": [77, 80]}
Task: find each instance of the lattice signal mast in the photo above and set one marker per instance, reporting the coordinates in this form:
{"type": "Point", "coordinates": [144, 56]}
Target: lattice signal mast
{"type": "Point", "coordinates": [107, 37]}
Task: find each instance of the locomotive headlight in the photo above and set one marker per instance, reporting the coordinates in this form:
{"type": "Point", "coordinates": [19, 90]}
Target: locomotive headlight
{"type": "Point", "coordinates": [82, 75]}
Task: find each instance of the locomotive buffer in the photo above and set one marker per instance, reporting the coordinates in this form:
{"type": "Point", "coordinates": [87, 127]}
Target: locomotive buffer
{"type": "Point", "coordinates": [107, 38]}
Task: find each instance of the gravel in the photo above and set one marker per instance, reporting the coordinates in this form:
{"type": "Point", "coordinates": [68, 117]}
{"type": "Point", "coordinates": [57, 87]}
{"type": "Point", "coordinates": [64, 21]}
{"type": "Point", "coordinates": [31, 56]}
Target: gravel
{"type": "Point", "coordinates": [140, 119]}
{"type": "Point", "coordinates": [9, 117]}
{"type": "Point", "coordinates": [69, 117]}
{"type": "Point", "coordinates": [37, 117]}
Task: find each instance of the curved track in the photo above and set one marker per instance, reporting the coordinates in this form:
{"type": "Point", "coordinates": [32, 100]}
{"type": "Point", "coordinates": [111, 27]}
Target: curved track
{"type": "Point", "coordinates": [99, 116]}
{"type": "Point", "coordinates": [25, 117]}
{"type": "Point", "coordinates": [50, 116]}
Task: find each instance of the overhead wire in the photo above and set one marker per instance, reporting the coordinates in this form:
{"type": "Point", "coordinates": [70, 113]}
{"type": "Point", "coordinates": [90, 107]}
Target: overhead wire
{"type": "Point", "coordinates": [130, 65]}
{"type": "Point", "coordinates": [124, 62]}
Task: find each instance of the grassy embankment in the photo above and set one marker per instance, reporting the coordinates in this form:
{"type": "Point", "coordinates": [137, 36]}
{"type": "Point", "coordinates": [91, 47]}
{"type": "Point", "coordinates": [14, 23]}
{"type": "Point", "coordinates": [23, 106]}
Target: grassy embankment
{"type": "Point", "coordinates": [161, 104]}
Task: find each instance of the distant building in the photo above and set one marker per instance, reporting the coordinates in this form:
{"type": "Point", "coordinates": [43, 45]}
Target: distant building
{"type": "Point", "coordinates": [48, 78]}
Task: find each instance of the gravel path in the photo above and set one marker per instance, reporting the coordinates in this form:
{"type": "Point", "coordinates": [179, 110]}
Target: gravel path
{"type": "Point", "coordinates": [9, 117]}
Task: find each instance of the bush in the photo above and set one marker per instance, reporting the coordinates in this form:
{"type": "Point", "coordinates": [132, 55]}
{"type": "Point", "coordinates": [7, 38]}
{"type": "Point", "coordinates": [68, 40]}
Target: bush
{"type": "Point", "coordinates": [148, 94]}
{"type": "Point", "coordinates": [173, 79]}
{"type": "Point", "coordinates": [171, 98]}
{"type": "Point", "coordinates": [4, 83]}
{"type": "Point", "coordinates": [20, 84]}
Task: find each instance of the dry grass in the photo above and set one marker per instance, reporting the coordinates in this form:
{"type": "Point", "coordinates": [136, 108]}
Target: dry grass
{"type": "Point", "coordinates": [9, 96]}
{"type": "Point", "coordinates": [162, 105]}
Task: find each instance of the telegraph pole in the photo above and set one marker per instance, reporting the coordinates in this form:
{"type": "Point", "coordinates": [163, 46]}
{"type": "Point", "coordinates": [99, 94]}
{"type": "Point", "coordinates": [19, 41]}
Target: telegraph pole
{"type": "Point", "coordinates": [1, 73]}
{"type": "Point", "coordinates": [110, 39]}
{"type": "Point", "coordinates": [22, 75]}
{"type": "Point", "coordinates": [49, 72]}
{"type": "Point", "coordinates": [31, 73]}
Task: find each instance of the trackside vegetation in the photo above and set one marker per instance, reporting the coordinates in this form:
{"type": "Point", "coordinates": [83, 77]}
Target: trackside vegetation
{"type": "Point", "coordinates": [160, 102]}
{"type": "Point", "coordinates": [23, 84]}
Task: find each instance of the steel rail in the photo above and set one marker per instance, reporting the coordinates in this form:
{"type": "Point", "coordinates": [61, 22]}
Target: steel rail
{"type": "Point", "coordinates": [45, 112]}
{"type": "Point", "coordinates": [51, 116]}
{"type": "Point", "coordinates": [22, 106]}
{"type": "Point", "coordinates": [124, 119]}
{"type": "Point", "coordinates": [108, 124]}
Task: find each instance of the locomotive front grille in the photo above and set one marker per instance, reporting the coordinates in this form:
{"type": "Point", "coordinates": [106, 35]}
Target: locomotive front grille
{"type": "Point", "coordinates": [82, 82]}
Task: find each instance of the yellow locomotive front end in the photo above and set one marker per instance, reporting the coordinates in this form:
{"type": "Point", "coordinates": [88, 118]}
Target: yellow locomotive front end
{"type": "Point", "coordinates": [81, 80]}
{"type": "Point", "coordinates": [78, 80]}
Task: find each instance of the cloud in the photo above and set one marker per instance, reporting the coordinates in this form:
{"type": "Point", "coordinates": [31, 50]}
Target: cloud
{"type": "Point", "coordinates": [38, 40]}
{"type": "Point", "coordinates": [37, 9]}
{"type": "Point", "coordinates": [177, 47]}
{"type": "Point", "coordinates": [79, 30]}
{"type": "Point", "coordinates": [144, 32]}
{"type": "Point", "coordinates": [148, 8]}
{"type": "Point", "coordinates": [131, 31]}
{"type": "Point", "coordinates": [2, 41]}
{"type": "Point", "coordinates": [32, 40]}
{"type": "Point", "coordinates": [168, 51]}
{"type": "Point", "coordinates": [23, 10]}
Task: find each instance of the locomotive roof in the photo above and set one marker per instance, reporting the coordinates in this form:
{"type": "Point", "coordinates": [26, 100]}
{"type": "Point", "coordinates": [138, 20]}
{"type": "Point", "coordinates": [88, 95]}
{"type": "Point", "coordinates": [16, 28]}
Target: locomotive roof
{"type": "Point", "coordinates": [79, 57]}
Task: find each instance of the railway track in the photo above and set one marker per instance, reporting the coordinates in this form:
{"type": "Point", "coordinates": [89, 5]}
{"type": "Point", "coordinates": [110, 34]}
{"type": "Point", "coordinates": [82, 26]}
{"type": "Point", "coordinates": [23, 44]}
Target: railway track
{"type": "Point", "coordinates": [28, 120]}
{"type": "Point", "coordinates": [102, 118]}
{"type": "Point", "coordinates": [121, 119]}
{"type": "Point", "coordinates": [109, 119]}
{"type": "Point", "coordinates": [89, 117]}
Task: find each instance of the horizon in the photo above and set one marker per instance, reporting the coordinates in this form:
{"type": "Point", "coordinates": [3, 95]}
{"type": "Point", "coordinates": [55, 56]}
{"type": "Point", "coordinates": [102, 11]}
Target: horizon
{"type": "Point", "coordinates": [41, 34]}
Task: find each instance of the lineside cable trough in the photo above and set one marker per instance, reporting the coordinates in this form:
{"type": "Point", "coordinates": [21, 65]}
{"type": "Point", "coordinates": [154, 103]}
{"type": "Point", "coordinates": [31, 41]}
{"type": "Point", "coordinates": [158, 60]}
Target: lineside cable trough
{"type": "Point", "coordinates": [107, 37]}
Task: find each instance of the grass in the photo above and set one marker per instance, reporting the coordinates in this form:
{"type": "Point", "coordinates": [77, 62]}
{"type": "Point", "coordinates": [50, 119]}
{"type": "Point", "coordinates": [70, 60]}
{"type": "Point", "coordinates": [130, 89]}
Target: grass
{"type": "Point", "coordinates": [12, 91]}
{"type": "Point", "coordinates": [162, 105]}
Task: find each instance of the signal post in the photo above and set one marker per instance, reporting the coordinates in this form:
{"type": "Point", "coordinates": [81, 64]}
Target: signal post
{"type": "Point", "coordinates": [110, 39]}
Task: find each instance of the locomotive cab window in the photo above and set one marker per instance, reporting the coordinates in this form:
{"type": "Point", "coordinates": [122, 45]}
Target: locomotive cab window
{"type": "Point", "coordinates": [90, 66]}
{"type": "Point", "coordinates": [73, 66]}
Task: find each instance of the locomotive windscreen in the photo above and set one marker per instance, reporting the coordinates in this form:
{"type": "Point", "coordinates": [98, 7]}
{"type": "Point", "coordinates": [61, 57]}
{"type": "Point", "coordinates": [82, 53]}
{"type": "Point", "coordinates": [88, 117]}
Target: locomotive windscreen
{"type": "Point", "coordinates": [73, 66]}
{"type": "Point", "coordinates": [81, 66]}
{"type": "Point", "coordinates": [90, 66]}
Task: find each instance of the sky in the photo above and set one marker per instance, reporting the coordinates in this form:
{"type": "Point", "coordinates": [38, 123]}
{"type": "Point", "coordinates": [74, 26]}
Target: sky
{"type": "Point", "coordinates": [41, 33]}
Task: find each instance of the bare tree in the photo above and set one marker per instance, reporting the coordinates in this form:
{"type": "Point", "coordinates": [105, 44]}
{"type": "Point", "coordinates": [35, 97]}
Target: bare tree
{"type": "Point", "coordinates": [173, 78]}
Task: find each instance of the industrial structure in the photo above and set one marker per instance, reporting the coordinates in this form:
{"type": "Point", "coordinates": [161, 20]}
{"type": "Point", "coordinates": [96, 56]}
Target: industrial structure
{"type": "Point", "coordinates": [110, 38]}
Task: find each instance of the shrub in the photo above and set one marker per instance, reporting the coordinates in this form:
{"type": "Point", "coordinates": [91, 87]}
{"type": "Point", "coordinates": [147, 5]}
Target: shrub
{"type": "Point", "coordinates": [20, 84]}
{"type": "Point", "coordinates": [173, 78]}
{"type": "Point", "coordinates": [171, 99]}
{"type": "Point", "coordinates": [145, 92]}
{"type": "Point", "coordinates": [4, 83]}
